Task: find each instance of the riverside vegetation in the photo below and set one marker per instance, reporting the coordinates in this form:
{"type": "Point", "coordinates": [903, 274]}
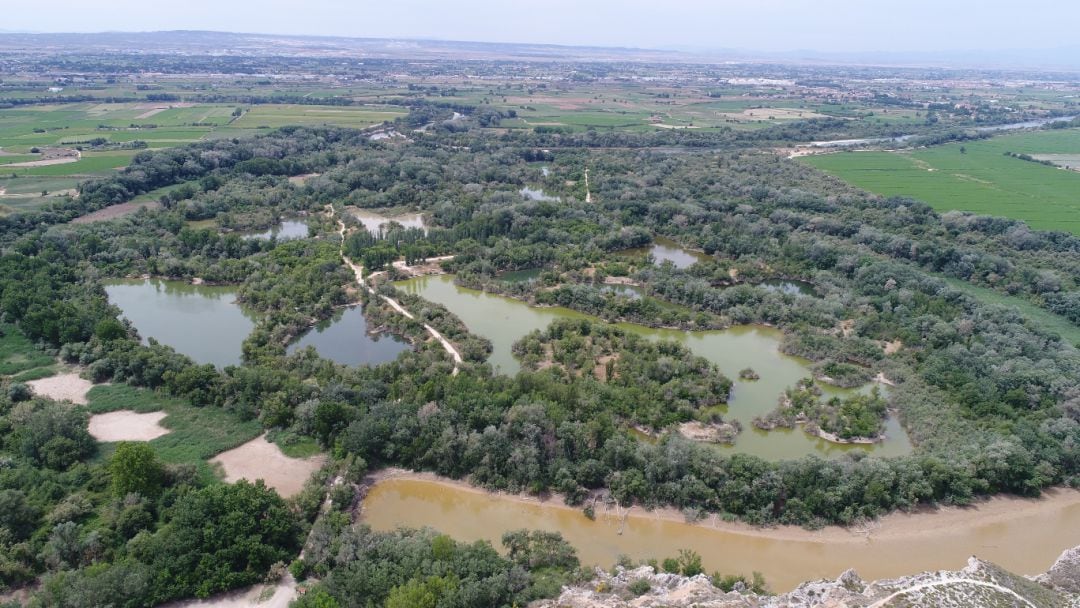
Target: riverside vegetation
{"type": "Point", "coordinates": [986, 392]}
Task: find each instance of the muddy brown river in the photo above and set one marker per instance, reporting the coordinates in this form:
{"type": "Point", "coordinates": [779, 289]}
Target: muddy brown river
{"type": "Point", "coordinates": [1024, 536]}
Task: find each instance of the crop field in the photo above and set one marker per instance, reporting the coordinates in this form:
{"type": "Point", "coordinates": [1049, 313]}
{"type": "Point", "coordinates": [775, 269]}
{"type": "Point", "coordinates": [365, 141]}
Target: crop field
{"type": "Point", "coordinates": [38, 143]}
{"type": "Point", "coordinates": [274, 116]}
{"type": "Point", "coordinates": [981, 179]}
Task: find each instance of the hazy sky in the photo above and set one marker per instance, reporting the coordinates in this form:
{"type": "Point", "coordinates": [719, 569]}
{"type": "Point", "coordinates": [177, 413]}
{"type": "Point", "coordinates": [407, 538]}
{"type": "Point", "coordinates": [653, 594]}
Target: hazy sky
{"type": "Point", "coordinates": [828, 25]}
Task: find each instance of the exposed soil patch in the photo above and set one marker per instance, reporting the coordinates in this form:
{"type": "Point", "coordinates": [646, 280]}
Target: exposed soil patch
{"type": "Point", "coordinates": [63, 387]}
{"type": "Point", "coordinates": [52, 156]}
{"type": "Point", "coordinates": [260, 459]}
{"type": "Point", "coordinates": [149, 113]}
{"type": "Point", "coordinates": [299, 180]}
{"type": "Point", "coordinates": [114, 211]}
{"type": "Point", "coordinates": [711, 433]}
{"type": "Point", "coordinates": [126, 425]}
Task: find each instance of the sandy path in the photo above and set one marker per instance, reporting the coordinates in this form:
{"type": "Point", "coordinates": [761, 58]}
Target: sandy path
{"type": "Point", "coordinates": [62, 387]}
{"type": "Point", "coordinates": [126, 425]}
{"type": "Point", "coordinates": [260, 459]}
{"type": "Point", "coordinates": [951, 581]}
{"type": "Point", "coordinates": [358, 272]}
{"type": "Point", "coordinates": [927, 522]}
{"type": "Point", "coordinates": [284, 593]}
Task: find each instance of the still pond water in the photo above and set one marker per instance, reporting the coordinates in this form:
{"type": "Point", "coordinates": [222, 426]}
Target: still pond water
{"type": "Point", "coordinates": [201, 321]}
{"type": "Point", "coordinates": [505, 320]}
{"type": "Point", "coordinates": [345, 339]}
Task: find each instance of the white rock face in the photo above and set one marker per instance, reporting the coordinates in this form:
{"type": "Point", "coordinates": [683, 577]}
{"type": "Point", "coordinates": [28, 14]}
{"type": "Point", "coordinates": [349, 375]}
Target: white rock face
{"type": "Point", "coordinates": [977, 585]}
{"type": "Point", "coordinates": [1064, 575]}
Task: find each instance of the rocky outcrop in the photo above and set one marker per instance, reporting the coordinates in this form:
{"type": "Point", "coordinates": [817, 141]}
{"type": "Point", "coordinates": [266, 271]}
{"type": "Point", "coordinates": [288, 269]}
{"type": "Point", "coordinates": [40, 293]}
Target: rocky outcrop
{"type": "Point", "coordinates": [977, 585]}
{"type": "Point", "coordinates": [1064, 575]}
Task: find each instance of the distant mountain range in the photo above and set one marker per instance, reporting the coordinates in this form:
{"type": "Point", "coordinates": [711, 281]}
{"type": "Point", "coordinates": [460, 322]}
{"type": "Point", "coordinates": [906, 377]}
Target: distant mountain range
{"type": "Point", "coordinates": [228, 43]}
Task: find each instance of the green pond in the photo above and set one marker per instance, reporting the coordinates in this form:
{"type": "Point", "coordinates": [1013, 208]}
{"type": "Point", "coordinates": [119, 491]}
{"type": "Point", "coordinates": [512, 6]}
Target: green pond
{"type": "Point", "coordinates": [787, 286]}
{"type": "Point", "coordinates": [345, 339]}
{"type": "Point", "coordinates": [667, 250]}
{"type": "Point", "coordinates": [286, 230]}
{"type": "Point", "coordinates": [527, 275]}
{"type": "Point", "coordinates": [201, 321]}
{"type": "Point", "coordinates": [373, 221]}
{"type": "Point", "coordinates": [505, 320]}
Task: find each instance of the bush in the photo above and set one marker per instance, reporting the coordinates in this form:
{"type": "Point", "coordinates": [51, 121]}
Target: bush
{"type": "Point", "coordinates": [639, 586]}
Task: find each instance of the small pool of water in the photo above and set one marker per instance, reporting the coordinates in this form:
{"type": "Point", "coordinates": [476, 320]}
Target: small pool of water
{"type": "Point", "coordinates": [373, 221]}
{"type": "Point", "coordinates": [286, 230]}
{"type": "Point", "coordinates": [345, 339]}
{"type": "Point", "coordinates": [537, 194]}
{"type": "Point", "coordinates": [667, 250]}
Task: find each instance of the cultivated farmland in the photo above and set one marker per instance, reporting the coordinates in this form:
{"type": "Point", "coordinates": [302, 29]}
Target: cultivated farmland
{"type": "Point", "coordinates": [981, 178]}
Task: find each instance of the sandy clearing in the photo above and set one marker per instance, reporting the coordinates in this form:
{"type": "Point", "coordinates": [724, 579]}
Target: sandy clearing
{"type": "Point", "coordinates": [284, 592]}
{"type": "Point", "coordinates": [126, 425]}
{"type": "Point", "coordinates": [62, 387]}
{"type": "Point", "coordinates": [260, 459]}
{"type": "Point", "coordinates": [115, 211]}
{"type": "Point", "coordinates": [300, 179]}
{"type": "Point", "coordinates": [925, 522]}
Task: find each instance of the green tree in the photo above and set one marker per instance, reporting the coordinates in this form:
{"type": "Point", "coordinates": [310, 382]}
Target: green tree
{"type": "Point", "coordinates": [421, 594]}
{"type": "Point", "coordinates": [135, 469]}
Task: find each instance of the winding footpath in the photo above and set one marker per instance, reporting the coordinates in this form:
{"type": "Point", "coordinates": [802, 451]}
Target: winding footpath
{"type": "Point", "coordinates": [358, 272]}
{"type": "Point", "coordinates": [951, 581]}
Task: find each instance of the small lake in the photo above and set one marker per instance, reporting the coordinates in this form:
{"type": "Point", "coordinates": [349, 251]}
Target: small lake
{"type": "Point", "coordinates": [536, 194]}
{"type": "Point", "coordinates": [201, 321]}
{"type": "Point", "coordinates": [787, 287]}
{"type": "Point", "coordinates": [345, 339]}
{"type": "Point", "coordinates": [627, 291]}
{"type": "Point", "coordinates": [528, 275]}
{"type": "Point", "coordinates": [373, 221]}
{"type": "Point", "coordinates": [1025, 543]}
{"type": "Point", "coordinates": [505, 320]}
{"type": "Point", "coordinates": [286, 230]}
{"type": "Point", "coordinates": [667, 250]}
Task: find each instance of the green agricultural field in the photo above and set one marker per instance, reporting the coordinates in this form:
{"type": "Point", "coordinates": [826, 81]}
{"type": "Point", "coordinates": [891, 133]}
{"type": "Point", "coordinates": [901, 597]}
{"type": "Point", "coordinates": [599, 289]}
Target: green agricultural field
{"type": "Point", "coordinates": [981, 179]}
{"type": "Point", "coordinates": [275, 116]}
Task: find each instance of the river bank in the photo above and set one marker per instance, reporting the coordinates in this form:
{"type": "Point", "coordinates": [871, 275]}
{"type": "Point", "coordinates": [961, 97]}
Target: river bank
{"type": "Point", "coordinates": [1024, 535]}
{"type": "Point", "coordinates": [925, 521]}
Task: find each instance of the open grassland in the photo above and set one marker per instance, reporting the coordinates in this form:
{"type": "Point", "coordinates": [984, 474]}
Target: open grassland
{"type": "Point", "coordinates": [19, 357]}
{"type": "Point", "coordinates": [195, 433]}
{"type": "Point", "coordinates": [1068, 331]}
{"type": "Point", "coordinates": [981, 179]}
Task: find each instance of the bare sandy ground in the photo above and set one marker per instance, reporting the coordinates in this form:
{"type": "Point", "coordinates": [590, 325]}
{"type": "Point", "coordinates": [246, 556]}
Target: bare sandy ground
{"type": "Point", "coordinates": [921, 523]}
{"type": "Point", "coordinates": [126, 425]}
{"type": "Point", "coordinates": [300, 179]}
{"type": "Point", "coordinates": [260, 459]}
{"type": "Point", "coordinates": [51, 157]}
{"type": "Point", "coordinates": [257, 596]}
{"type": "Point", "coordinates": [62, 387]}
{"type": "Point", "coordinates": [115, 211]}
